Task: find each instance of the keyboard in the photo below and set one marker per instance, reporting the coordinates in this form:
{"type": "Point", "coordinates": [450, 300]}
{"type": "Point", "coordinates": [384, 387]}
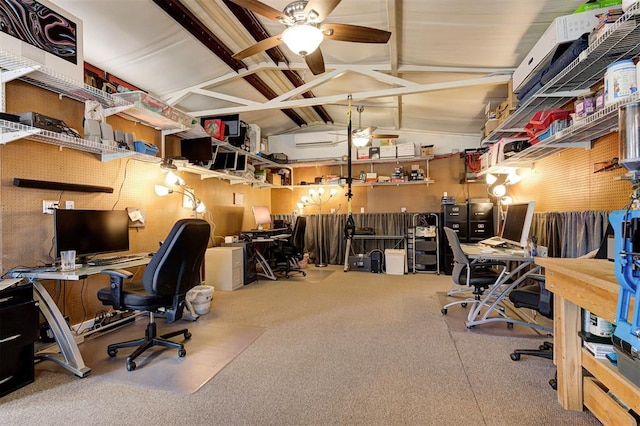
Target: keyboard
{"type": "Point", "coordinates": [105, 261]}
{"type": "Point", "coordinates": [494, 242]}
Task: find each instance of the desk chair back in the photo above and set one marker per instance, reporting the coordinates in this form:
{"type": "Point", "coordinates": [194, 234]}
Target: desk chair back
{"type": "Point", "coordinates": [297, 236]}
{"type": "Point", "coordinates": [460, 260]}
{"type": "Point", "coordinates": [175, 268]}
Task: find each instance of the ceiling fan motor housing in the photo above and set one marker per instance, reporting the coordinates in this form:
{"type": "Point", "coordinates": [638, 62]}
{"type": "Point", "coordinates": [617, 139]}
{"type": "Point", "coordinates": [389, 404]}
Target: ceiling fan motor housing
{"type": "Point", "coordinates": [295, 13]}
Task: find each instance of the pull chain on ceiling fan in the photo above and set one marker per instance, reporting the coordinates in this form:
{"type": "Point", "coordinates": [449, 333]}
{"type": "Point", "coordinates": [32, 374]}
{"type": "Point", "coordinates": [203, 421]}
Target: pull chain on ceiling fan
{"type": "Point", "coordinates": [305, 30]}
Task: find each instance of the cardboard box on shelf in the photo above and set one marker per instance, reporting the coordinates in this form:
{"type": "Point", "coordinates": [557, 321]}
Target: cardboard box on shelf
{"type": "Point", "coordinates": [406, 150]}
{"type": "Point", "coordinates": [363, 154]}
{"type": "Point", "coordinates": [387, 142]}
{"type": "Point", "coordinates": [490, 126]}
{"type": "Point", "coordinates": [388, 151]}
{"type": "Point", "coordinates": [426, 150]}
{"type": "Point", "coordinates": [274, 179]}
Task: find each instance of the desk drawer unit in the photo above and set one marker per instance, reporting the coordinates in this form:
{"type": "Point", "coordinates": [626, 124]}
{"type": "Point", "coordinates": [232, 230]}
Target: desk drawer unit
{"type": "Point", "coordinates": [18, 332]}
{"type": "Point", "coordinates": [224, 268]}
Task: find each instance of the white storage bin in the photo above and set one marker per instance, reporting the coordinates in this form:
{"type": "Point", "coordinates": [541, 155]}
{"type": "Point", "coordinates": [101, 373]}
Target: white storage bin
{"type": "Point", "coordinates": [395, 261]}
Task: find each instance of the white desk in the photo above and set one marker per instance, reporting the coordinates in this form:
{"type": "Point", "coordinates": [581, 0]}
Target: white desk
{"type": "Point", "coordinates": [494, 296]}
{"type": "Point", "coordinates": [69, 356]}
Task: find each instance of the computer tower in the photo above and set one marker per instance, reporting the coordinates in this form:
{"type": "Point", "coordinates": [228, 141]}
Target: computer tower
{"type": "Point", "coordinates": [250, 259]}
{"type": "Point", "coordinates": [376, 261]}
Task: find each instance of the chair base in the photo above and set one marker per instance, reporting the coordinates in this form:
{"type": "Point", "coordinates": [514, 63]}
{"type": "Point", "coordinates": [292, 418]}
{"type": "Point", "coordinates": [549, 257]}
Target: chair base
{"type": "Point", "coordinates": [150, 340]}
{"type": "Point", "coordinates": [544, 351]}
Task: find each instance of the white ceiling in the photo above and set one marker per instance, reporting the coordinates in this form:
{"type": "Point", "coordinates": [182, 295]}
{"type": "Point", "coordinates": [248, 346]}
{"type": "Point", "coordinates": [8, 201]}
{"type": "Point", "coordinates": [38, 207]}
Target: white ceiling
{"type": "Point", "coordinates": [452, 57]}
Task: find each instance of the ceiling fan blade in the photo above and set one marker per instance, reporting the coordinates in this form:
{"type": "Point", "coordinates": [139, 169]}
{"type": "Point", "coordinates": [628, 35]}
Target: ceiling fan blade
{"type": "Point", "coordinates": [261, 8]}
{"type": "Point", "coordinates": [383, 136]}
{"type": "Point", "coordinates": [321, 8]}
{"type": "Point", "coordinates": [260, 46]}
{"type": "Point", "coordinates": [355, 33]}
{"type": "Point", "coordinates": [315, 62]}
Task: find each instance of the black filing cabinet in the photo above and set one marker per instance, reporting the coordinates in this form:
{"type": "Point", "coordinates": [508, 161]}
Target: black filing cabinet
{"type": "Point", "coordinates": [454, 216]}
{"type": "Point", "coordinates": [473, 222]}
{"type": "Point", "coordinates": [18, 332]}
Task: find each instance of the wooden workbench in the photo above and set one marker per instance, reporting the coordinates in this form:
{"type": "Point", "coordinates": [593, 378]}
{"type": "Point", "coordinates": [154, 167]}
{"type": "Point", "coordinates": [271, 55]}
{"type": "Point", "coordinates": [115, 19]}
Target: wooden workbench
{"type": "Point", "coordinates": [590, 284]}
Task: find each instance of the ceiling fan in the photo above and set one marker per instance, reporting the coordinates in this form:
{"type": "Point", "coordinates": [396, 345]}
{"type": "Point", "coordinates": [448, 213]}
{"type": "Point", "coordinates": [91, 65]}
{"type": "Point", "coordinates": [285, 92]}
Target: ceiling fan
{"type": "Point", "coordinates": [305, 30]}
{"type": "Point", "coordinates": [360, 136]}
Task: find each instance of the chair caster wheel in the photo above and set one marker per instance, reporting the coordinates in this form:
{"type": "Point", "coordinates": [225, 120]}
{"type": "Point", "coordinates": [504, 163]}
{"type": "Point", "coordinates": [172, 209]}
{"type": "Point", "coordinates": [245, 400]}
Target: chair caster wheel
{"type": "Point", "coordinates": [112, 352]}
{"type": "Point", "coordinates": [509, 325]}
{"type": "Point", "coordinates": [514, 356]}
{"type": "Point", "coordinates": [131, 365]}
{"type": "Point", "coordinates": [554, 384]}
{"type": "Point", "coordinates": [304, 274]}
{"type": "Point", "coordinates": [444, 311]}
{"type": "Point", "coordinates": [182, 353]}
{"type": "Point", "coordinates": [543, 347]}
{"type": "Point", "coordinates": [464, 305]}
{"type": "Point", "coordinates": [187, 335]}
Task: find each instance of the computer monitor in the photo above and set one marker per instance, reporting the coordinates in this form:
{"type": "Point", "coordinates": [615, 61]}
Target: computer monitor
{"type": "Point", "coordinates": [199, 151]}
{"type": "Point", "coordinates": [90, 232]}
{"type": "Point", "coordinates": [517, 223]}
{"type": "Point", "coordinates": [262, 215]}
{"type": "Point", "coordinates": [225, 161]}
{"type": "Point", "coordinates": [241, 163]}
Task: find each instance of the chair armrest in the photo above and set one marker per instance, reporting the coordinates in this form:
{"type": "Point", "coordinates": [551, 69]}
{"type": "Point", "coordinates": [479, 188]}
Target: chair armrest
{"type": "Point", "coordinates": [116, 278]}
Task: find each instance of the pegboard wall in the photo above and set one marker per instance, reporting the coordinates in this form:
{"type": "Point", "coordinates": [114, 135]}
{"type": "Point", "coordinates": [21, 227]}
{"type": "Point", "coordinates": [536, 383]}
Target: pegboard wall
{"type": "Point", "coordinates": [567, 181]}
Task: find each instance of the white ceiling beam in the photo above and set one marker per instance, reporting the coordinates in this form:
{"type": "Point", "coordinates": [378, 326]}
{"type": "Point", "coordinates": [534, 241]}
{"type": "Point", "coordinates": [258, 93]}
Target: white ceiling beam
{"type": "Point", "coordinates": [396, 91]}
{"type": "Point", "coordinates": [225, 97]}
{"type": "Point", "coordinates": [308, 86]}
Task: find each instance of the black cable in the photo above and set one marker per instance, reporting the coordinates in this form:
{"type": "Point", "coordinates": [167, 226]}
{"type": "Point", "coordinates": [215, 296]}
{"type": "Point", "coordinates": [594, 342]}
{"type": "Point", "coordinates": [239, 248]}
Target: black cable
{"type": "Point", "coordinates": [124, 179]}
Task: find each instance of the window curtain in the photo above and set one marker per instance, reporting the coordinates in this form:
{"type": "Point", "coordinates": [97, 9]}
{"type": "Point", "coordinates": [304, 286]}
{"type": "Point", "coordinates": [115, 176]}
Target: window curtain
{"type": "Point", "coordinates": [570, 234]}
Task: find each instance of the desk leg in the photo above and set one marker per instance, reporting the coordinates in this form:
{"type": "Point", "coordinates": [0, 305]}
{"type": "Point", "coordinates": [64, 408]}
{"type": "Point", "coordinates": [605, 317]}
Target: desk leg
{"type": "Point", "coordinates": [68, 348]}
{"type": "Point", "coordinates": [567, 353]}
{"type": "Point", "coordinates": [267, 272]}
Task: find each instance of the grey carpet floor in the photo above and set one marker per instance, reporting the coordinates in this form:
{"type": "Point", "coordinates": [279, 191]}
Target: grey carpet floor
{"type": "Point", "coordinates": [338, 349]}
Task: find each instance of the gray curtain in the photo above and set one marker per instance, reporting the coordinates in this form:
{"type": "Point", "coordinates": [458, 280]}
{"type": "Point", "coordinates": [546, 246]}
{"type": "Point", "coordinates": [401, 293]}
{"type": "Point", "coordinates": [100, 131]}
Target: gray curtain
{"type": "Point", "coordinates": [570, 234]}
{"type": "Point", "coordinates": [331, 226]}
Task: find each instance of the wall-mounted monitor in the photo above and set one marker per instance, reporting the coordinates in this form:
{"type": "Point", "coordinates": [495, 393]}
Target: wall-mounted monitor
{"type": "Point", "coordinates": [231, 123]}
{"type": "Point", "coordinates": [199, 151]}
{"type": "Point", "coordinates": [517, 223]}
{"type": "Point", "coordinates": [90, 232]}
{"type": "Point", "coordinates": [225, 161]}
{"type": "Point", "coordinates": [44, 33]}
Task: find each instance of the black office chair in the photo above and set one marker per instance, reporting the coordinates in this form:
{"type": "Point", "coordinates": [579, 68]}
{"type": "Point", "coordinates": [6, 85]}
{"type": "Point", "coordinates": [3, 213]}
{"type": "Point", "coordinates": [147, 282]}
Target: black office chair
{"type": "Point", "coordinates": [535, 296]}
{"type": "Point", "coordinates": [173, 270]}
{"type": "Point", "coordinates": [479, 275]}
{"type": "Point", "coordinates": [288, 252]}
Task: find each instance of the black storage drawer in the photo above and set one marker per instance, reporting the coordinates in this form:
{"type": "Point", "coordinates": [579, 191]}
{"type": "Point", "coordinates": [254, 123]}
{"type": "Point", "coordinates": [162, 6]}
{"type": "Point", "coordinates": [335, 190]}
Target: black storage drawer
{"type": "Point", "coordinates": [16, 369]}
{"type": "Point", "coordinates": [480, 230]}
{"type": "Point", "coordinates": [481, 211]}
{"type": "Point", "coordinates": [455, 213]}
{"type": "Point", "coordinates": [19, 329]}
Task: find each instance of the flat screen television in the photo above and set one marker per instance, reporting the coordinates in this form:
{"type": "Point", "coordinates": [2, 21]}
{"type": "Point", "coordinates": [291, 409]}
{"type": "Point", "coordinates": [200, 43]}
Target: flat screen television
{"type": "Point", "coordinates": [225, 161]}
{"type": "Point", "coordinates": [199, 151]}
{"type": "Point", "coordinates": [517, 223]}
{"type": "Point", "coordinates": [90, 232]}
{"type": "Point", "coordinates": [262, 216]}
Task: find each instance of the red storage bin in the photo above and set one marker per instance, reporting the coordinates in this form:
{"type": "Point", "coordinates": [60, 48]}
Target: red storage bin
{"type": "Point", "coordinates": [541, 120]}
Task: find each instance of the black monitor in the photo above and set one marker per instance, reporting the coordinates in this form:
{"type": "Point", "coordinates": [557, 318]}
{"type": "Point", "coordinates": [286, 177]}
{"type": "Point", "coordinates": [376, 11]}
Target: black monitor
{"type": "Point", "coordinates": [225, 161]}
{"type": "Point", "coordinates": [241, 163]}
{"type": "Point", "coordinates": [239, 140]}
{"type": "Point", "coordinates": [517, 223]}
{"type": "Point", "coordinates": [90, 232]}
{"type": "Point", "coordinates": [199, 151]}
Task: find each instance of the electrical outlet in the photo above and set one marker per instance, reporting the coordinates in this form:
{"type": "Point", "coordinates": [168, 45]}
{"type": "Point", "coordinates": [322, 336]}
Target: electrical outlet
{"type": "Point", "coordinates": [48, 206]}
{"type": "Point", "coordinates": [69, 205]}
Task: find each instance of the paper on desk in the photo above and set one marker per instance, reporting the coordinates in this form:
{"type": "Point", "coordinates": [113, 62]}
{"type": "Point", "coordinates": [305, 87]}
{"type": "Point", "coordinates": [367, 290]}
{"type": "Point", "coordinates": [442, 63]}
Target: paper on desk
{"type": "Point", "coordinates": [9, 282]}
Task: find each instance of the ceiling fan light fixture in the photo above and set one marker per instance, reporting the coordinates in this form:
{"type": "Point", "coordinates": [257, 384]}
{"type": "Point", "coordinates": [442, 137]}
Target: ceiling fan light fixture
{"type": "Point", "coordinates": [360, 141]}
{"type": "Point", "coordinates": [302, 39]}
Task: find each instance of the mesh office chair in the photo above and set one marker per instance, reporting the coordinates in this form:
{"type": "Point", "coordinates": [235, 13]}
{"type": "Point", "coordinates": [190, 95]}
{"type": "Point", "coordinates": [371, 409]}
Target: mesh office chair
{"type": "Point", "coordinates": [173, 271]}
{"type": "Point", "coordinates": [535, 296]}
{"type": "Point", "coordinates": [479, 275]}
{"type": "Point", "coordinates": [287, 253]}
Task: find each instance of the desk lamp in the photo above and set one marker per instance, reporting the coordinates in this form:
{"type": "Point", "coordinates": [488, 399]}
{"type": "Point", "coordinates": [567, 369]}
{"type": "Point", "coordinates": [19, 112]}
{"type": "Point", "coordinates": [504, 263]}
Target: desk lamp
{"type": "Point", "coordinates": [196, 204]}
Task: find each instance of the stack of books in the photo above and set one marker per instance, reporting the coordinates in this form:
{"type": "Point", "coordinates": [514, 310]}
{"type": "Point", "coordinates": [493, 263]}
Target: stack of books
{"type": "Point", "coordinates": [605, 20]}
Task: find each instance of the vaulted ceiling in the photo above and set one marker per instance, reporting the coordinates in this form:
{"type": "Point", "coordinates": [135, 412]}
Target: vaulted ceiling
{"type": "Point", "coordinates": [443, 63]}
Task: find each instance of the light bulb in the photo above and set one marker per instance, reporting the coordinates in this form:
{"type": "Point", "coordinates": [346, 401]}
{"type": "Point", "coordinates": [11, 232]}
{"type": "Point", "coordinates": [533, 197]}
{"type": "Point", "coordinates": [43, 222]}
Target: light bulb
{"type": "Point", "coordinates": [506, 200]}
{"type": "Point", "coordinates": [200, 207]}
{"type": "Point", "coordinates": [491, 179]}
{"type": "Point", "coordinates": [312, 192]}
{"type": "Point", "coordinates": [300, 206]}
{"type": "Point", "coordinates": [304, 199]}
{"type": "Point", "coordinates": [321, 190]}
{"type": "Point", "coordinates": [360, 141]}
{"type": "Point", "coordinates": [513, 178]}
{"type": "Point", "coordinates": [333, 192]}
{"type": "Point", "coordinates": [499, 190]}
{"type": "Point", "coordinates": [162, 190]}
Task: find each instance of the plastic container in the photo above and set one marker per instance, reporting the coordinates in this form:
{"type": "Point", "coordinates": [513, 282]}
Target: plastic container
{"type": "Point", "coordinates": [629, 136]}
{"type": "Point", "coordinates": [145, 148]}
{"type": "Point", "coordinates": [620, 81]}
{"type": "Point", "coordinates": [200, 298]}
